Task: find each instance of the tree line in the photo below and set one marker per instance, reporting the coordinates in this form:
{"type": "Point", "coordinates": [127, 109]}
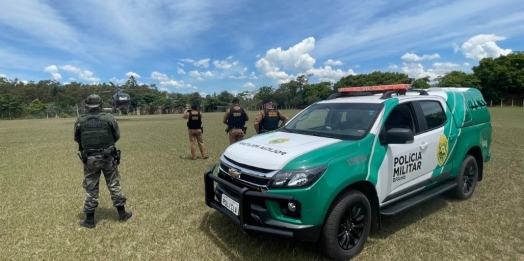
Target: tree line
{"type": "Point", "coordinates": [498, 79]}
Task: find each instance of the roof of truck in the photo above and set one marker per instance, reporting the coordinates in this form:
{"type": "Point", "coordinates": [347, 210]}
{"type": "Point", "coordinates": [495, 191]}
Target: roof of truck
{"type": "Point", "coordinates": [385, 92]}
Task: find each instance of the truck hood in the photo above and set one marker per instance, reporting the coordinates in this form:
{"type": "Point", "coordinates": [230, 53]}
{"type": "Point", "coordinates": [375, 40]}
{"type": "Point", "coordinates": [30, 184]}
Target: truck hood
{"type": "Point", "coordinates": [274, 150]}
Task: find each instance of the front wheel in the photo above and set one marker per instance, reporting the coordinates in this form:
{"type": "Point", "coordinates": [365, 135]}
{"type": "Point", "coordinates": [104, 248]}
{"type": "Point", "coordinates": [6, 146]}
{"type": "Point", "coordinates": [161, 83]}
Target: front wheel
{"type": "Point", "coordinates": [347, 226]}
{"type": "Point", "coordinates": [467, 178]}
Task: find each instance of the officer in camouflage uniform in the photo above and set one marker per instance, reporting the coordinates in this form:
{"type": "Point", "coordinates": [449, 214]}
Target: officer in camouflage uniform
{"type": "Point", "coordinates": [235, 118]}
{"type": "Point", "coordinates": [268, 119]}
{"type": "Point", "coordinates": [96, 133]}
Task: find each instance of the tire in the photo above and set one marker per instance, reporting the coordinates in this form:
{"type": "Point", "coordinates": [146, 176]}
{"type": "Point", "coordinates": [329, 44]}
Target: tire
{"type": "Point", "coordinates": [467, 178]}
{"type": "Point", "coordinates": [347, 226]}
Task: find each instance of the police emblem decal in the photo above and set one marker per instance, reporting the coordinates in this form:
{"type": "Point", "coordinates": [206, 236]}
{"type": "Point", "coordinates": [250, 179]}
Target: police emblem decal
{"type": "Point", "coordinates": [234, 173]}
{"type": "Point", "coordinates": [278, 141]}
{"type": "Point", "coordinates": [442, 150]}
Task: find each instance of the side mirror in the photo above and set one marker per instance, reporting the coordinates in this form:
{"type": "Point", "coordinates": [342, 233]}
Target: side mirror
{"type": "Point", "coordinates": [399, 136]}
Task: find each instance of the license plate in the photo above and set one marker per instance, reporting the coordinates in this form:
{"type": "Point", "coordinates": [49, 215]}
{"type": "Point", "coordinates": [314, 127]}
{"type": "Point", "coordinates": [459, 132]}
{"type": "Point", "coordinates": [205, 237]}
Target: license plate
{"type": "Point", "coordinates": [230, 204]}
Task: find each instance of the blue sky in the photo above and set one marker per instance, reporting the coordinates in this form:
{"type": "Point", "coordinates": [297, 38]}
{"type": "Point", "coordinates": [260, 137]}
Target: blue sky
{"type": "Point", "coordinates": [210, 46]}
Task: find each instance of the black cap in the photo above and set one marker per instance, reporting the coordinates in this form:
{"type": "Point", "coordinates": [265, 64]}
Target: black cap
{"type": "Point", "coordinates": [194, 106]}
{"type": "Point", "coordinates": [235, 100]}
{"type": "Point", "coordinates": [266, 101]}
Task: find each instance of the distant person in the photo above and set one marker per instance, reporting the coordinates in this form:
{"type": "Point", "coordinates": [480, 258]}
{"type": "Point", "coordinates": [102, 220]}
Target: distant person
{"type": "Point", "coordinates": [96, 133]}
{"type": "Point", "coordinates": [194, 125]}
{"type": "Point", "coordinates": [235, 118]}
{"type": "Point", "coordinates": [268, 119]}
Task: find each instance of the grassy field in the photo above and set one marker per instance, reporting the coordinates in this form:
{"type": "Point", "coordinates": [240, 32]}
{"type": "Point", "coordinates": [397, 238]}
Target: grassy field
{"type": "Point", "coordinates": [42, 198]}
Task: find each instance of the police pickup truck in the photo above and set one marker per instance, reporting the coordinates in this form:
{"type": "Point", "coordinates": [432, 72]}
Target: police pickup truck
{"type": "Point", "coordinates": [340, 164]}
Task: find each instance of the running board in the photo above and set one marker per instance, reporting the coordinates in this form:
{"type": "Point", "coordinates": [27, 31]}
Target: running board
{"type": "Point", "coordinates": [410, 201]}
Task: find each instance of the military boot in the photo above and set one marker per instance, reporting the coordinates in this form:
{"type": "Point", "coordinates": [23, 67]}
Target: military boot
{"type": "Point", "coordinates": [122, 214]}
{"type": "Point", "coordinates": [89, 222]}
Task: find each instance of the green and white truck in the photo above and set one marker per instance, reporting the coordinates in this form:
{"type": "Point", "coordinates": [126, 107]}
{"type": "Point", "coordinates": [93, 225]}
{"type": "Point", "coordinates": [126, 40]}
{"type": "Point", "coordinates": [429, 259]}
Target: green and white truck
{"type": "Point", "coordinates": [340, 164]}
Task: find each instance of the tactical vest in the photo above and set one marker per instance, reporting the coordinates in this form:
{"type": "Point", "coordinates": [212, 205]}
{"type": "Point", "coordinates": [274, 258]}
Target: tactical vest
{"type": "Point", "coordinates": [194, 121]}
{"type": "Point", "coordinates": [237, 118]}
{"type": "Point", "coordinates": [270, 120]}
{"type": "Point", "coordinates": [95, 131]}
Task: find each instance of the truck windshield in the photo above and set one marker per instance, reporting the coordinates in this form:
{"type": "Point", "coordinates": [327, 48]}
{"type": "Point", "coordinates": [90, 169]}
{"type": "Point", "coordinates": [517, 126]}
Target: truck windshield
{"type": "Point", "coordinates": [348, 121]}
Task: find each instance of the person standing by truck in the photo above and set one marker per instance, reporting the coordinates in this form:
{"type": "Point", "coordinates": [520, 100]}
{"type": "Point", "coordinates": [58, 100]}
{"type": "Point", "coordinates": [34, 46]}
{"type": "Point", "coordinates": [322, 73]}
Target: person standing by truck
{"type": "Point", "coordinates": [235, 118]}
{"type": "Point", "coordinates": [268, 119]}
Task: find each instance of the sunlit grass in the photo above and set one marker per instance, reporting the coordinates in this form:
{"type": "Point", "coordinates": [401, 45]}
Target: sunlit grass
{"type": "Point", "coordinates": [42, 197]}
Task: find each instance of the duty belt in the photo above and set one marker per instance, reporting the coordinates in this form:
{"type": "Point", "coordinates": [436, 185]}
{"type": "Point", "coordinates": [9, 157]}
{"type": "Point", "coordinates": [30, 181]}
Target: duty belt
{"type": "Point", "coordinates": [98, 152]}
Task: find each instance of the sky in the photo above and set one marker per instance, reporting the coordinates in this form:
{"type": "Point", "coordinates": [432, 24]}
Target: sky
{"type": "Point", "coordinates": [209, 46]}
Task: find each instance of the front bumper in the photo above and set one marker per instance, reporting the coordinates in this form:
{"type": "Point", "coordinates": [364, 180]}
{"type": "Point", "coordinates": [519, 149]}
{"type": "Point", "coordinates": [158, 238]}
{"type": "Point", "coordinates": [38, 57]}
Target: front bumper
{"type": "Point", "coordinates": [252, 216]}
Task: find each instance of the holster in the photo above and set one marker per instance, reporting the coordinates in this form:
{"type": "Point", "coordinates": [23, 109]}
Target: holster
{"type": "Point", "coordinates": [116, 155]}
{"type": "Point", "coordinates": [244, 130]}
{"type": "Point", "coordinates": [82, 156]}
{"type": "Point", "coordinates": [202, 129]}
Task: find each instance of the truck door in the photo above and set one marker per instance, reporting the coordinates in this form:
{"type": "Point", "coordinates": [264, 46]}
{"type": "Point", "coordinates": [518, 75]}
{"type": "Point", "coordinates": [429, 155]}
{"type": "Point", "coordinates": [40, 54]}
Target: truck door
{"type": "Point", "coordinates": [439, 125]}
{"type": "Point", "coordinates": [406, 163]}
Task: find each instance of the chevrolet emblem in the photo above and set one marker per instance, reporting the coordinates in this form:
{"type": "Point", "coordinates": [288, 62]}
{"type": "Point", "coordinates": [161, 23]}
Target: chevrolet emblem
{"type": "Point", "coordinates": [234, 173]}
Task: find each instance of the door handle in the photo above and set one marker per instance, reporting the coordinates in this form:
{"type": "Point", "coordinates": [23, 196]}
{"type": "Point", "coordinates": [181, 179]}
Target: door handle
{"type": "Point", "coordinates": [423, 145]}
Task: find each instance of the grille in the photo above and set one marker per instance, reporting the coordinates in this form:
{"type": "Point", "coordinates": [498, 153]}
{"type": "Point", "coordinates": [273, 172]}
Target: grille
{"type": "Point", "coordinates": [256, 182]}
{"type": "Point", "coordinates": [255, 169]}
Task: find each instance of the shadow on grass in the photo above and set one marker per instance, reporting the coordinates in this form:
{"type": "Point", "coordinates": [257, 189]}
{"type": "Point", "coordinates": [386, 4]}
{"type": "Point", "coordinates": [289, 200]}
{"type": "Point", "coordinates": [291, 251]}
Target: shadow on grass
{"type": "Point", "coordinates": [236, 245]}
{"type": "Point", "coordinates": [102, 213]}
{"type": "Point", "coordinates": [393, 224]}
{"type": "Point", "coordinates": [229, 238]}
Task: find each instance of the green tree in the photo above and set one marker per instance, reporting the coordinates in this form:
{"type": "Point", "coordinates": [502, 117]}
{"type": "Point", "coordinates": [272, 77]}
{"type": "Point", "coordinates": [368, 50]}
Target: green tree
{"type": "Point", "coordinates": [374, 78]}
{"type": "Point", "coordinates": [502, 77]}
{"type": "Point", "coordinates": [458, 79]}
{"type": "Point", "coordinates": [421, 83]}
{"type": "Point", "coordinates": [35, 107]}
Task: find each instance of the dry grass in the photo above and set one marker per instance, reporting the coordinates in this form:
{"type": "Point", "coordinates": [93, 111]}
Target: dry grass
{"type": "Point", "coordinates": [42, 197]}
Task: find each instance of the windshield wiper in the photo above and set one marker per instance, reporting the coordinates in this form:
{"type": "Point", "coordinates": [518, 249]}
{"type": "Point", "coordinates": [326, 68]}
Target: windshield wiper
{"type": "Point", "coordinates": [286, 129]}
{"type": "Point", "coordinates": [326, 135]}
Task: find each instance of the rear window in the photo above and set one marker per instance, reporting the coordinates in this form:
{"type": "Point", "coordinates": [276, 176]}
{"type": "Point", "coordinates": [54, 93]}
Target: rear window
{"type": "Point", "coordinates": [435, 115]}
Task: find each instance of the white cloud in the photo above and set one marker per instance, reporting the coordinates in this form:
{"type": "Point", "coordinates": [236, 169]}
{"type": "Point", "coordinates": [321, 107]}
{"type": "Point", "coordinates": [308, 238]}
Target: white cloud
{"type": "Point", "coordinates": [53, 70]}
{"type": "Point", "coordinates": [249, 85]}
{"type": "Point", "coordinates": [229, 57]}
{"type": "Point", "coordinates": [135, 75]}
{"type": "Point", "coordinates": [224, 65]}
{"type": "Point", "coordinates": [392, 66]}
{"type": "Point", "coordinates": [330, 62]}
{"type": "Point", "coordinates": [181, 71]}
{"type": "Point", "coordinates": [3, 75]}
{"type": "Point", "coordinates": [243, 75]}
{"type": "Point", "coordinates": [208, 74]}
{"type": "Point", "coordinates": [194, 74]}
{"type": "Point", "coordinates": [187, 60]}
{"type": "Point", "coordinates": [202, 63]}
{"type": "Point", "coordinates": [83, 74]}
{"type": "Point", "coordinates": [363, 37]}
{"type": "Point", "coordinates": [114, 80]}
{"type": "Point", "coordinates": [296, 58]}
{"type": "Point", "coordinates": [181, 64]}
{"type": "Point", "coordinates": [416, 70]}
{"type": "Point", "coordinates": [411, 57]}
{"type": "Point", "coordinates": [482, 46]}
{"type": "Point", "coordinates": [167, 81]}
{"type": "Point", "coordinates": [329, 75]}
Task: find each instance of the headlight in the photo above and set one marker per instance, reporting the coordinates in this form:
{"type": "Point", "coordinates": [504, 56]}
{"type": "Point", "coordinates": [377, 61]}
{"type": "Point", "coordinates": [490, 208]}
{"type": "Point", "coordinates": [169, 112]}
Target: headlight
{"type": "Point", "coordinates": [296, 178]}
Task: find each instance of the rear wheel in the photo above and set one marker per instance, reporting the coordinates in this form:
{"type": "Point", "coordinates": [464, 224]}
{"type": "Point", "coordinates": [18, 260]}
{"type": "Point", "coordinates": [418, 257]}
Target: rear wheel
{"type": "Point", "coordinates": [467, 178]}
{"type": "Point", "coordinates": [347, 226]}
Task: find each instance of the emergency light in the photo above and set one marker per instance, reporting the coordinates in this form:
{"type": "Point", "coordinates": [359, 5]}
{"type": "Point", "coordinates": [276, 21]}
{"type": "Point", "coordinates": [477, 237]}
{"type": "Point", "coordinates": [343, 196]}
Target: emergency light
{"type": "Point", "coordinates": [375, 88]}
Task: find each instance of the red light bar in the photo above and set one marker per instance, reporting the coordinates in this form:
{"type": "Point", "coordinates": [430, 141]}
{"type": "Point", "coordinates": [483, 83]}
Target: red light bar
{"type": "Point", "coordinates": [375, 88]}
